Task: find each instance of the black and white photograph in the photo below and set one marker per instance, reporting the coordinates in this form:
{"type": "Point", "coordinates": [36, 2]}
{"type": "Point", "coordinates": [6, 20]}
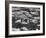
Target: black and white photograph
{"type": "Point", "coordinates": [25, 19]}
